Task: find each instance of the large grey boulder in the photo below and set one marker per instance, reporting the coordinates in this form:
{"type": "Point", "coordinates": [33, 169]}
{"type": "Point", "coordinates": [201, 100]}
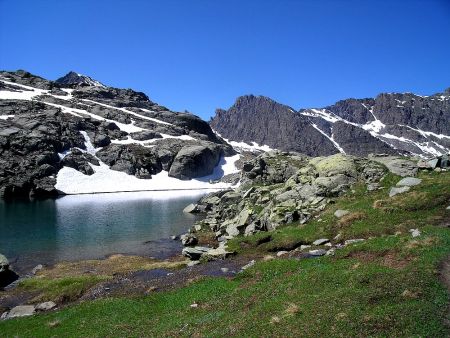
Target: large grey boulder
{"type": "Point", "coordinates": [409, 182]}
{"type": "Point", "coordinates": [195, 253]}
{"type": "Point", "coordinates": [7, 276]}
{"type": "Point", "coordinates": [80, 161]}
{"type": "Point", "coordinates": [21, 311]}
{"type": "Point", "coordinates": [195, 161]}
{"type": "Point", "coordinates": [397, 165]}
{"type": "Point", "coordinates": [395, 191]}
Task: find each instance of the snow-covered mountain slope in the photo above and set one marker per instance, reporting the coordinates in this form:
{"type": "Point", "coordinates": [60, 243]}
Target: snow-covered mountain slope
{"type": "Point", "coordinates": [84, 137]}
{"type": "Point", "coordinates": [390, 123]}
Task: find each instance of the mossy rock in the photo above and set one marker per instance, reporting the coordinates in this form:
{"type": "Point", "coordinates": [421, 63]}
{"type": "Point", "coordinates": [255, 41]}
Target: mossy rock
{"type": "Point", "coordinates": [335, 164]}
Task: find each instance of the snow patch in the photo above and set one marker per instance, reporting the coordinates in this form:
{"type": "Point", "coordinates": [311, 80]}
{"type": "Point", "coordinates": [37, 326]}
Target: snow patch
{"type": "Point", "coordinates": [5, 117]}
{"type": "Point", "coordinates": [323, 113]}
{"type": "Point", "coordinates": [104, 179]}
{"type": "Point", "coordinates": [130, 112]}
{"type": "Point", "coordinates": [71, 181]}
{"type": "Point", "coordinates": [337, 146]}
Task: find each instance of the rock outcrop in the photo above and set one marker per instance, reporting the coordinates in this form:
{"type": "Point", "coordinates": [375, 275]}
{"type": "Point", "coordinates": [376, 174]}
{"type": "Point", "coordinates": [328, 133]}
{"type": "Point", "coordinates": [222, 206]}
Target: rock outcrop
{"type": "Point", "coordinates": [78, 122]}
{"type": "Point", "coordinates": [279, 188]}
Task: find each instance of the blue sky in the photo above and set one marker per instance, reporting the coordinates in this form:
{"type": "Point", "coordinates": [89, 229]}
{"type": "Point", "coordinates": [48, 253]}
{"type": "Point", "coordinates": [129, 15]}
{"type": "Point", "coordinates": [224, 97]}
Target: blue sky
{"type": "Point", "coordinates": [200, 55]}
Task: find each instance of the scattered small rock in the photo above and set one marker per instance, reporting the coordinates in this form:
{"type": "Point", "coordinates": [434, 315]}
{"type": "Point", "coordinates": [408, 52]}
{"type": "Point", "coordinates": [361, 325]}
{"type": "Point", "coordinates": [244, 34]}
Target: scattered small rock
{"type": "Point", "coordinates": [54, 323]}
{"type": "Point", "coordinates": [37, 268]}
{"type": "Point", "coordinates": [395, 191]}
{"type": "Point", "coordinates": [195, 305]}
{"type": "Point", "coordinates": [248, 265]}
{"type": "Point", "coordinates": [411, 294]}
{"type": "Point", "coordinates": [224, 270]}
{"type": "Point", "coordinates": [192, 263]}
{"type": "Point", "coordinates": [331, 252]}
{"type": "Point", "coordinates": [46, 306]}
{"type": "Point", "coordinates": [321, 241]}
{"type": "Point", "coordinates": [373, 186]}
{"type": "Point", "coordinates": [414, 232]}
{"type": "Point", "coordinates": [281, 253]}
{"type": "Point", "coordinates": [319, 252]}
{"type": "Point", "coordinates": [303, 247]}
{"type": "Point", "coordinates": [353, 241]}
{"type": "Point", "coordinates": [340, 213]}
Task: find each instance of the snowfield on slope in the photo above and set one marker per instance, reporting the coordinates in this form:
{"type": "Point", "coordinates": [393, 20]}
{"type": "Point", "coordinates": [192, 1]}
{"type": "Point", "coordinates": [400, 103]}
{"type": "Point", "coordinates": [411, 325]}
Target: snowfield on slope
{"type": "Point", "coordinates": [104, 179]}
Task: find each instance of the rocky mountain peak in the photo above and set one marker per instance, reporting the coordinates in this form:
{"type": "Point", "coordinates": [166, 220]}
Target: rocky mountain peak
{"type": "Point", "coordinates": [389, 123]}
{"type": "Point", "coordinates": [252, 101]}
{"type": "Point", "coordinates": [73, 79]}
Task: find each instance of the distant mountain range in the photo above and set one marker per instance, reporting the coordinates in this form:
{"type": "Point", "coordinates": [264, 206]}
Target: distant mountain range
{"type": "Point", "coordinates": [391, 123]}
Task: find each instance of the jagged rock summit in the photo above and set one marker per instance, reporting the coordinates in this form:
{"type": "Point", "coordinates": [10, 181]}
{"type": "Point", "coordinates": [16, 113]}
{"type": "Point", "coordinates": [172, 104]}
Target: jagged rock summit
{"type": "Point", "coordinates": [73, 80]}
{"type": "Point", "coordinates": [392, 123]}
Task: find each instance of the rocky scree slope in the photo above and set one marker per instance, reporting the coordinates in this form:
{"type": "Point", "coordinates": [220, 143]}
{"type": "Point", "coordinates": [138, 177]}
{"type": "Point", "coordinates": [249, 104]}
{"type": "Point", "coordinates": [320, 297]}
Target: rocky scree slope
{"type": "Point", "coordinates": [391, 123]}
{"type": "Point", "coordinates": [281, 188]}
{"type": "Point", "coordinates": [78, 122]}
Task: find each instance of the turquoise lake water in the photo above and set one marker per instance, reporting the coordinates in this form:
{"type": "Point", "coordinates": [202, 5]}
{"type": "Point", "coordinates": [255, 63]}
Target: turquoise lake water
{"type": "Point", "coordinates": [93, 226]}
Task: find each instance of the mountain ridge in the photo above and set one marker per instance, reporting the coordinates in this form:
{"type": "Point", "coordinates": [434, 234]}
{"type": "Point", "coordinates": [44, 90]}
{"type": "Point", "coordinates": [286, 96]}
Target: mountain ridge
{"type": "Point", "coordinates": [400, 123]}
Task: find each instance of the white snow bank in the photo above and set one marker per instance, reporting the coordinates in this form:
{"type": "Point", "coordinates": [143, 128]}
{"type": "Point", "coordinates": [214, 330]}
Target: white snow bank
{"type": "Point", "coordinates": [254, 147]}
{"type": "Point", "coordinates": [249, 147]}
{"type": "Point", "coordinates": [5, 117]}
{"type": "Point", "coordinates": [130, 112]}
{"type": "Point", "coordinates": [71, 181]}
{"type": "Point", "coordinates": [323, 113]}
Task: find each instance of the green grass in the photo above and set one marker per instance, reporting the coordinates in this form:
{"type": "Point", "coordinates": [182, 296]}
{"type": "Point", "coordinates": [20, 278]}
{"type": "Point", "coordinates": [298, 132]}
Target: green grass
{"type": "Point", "coordinates": [385, 286]}
{"type": "Point", "coordinates": [60, 290]}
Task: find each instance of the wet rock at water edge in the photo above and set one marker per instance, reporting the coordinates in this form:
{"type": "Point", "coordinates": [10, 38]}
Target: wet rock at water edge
{"type": "Point", "coordinates": [7, 276]}
{"type": "Point", "coordinates": [195, 253]}
{"type": "Point", "coordinates": [188, 239]}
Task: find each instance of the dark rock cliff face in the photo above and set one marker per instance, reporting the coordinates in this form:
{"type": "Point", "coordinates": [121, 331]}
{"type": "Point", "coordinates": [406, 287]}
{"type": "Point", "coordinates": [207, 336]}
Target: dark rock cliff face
{"type": "Point", "coordinates": [389, 123]}
{"type": "Point", "coordinates": [47, 125]}
{"type": "Point", "coordinates": [262, 120]}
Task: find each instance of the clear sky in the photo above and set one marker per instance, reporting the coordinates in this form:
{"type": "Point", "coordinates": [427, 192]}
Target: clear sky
{"type": "Point", "coordinates": [200, 55]}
